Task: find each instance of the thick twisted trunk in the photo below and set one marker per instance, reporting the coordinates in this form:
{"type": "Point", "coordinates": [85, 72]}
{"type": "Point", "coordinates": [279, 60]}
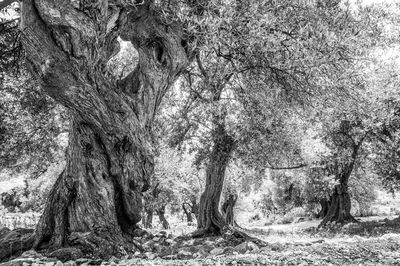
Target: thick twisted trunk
{"type": "Point", "coordinates": [90, 197]}
{"type": "Point", "coordinates": [339, 209]}
{"type": "Point", "coordinates": [210, 220]}
{"type": "Point", "coordinates": [340, 203]}
{"type": "Point", "coordinates": [96, 201]}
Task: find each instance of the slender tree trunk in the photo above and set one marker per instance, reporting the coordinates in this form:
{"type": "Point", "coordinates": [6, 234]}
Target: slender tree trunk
{"type": "Point", "coordinates": [188, 213]}
{"type": "Point", "coordinates": [161, 216]}
{"type": "Point", "coordinates": [148, 218]}
{"type": "Point", "coordinates": [210, 220]}
{"type": "Point", "coordinates": [96, 202]}
{"type": "Point", "coordinates": [195, 208]}
{"type": "Point", "coordinates": [228, 207]}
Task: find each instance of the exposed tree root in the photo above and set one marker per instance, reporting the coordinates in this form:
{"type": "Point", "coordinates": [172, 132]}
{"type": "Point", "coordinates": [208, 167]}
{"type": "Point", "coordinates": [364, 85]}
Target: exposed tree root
{"type": "Point", "coordinates": [231, 234]}
{"type": "Point", "coordinates": [15, 242]}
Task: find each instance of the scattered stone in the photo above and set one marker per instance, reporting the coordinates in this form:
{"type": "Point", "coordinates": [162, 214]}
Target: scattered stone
{"type": "Point", "coordinates": [70, 263]}
{"type": "Point", "coordinates": [141, 233]}
{"type": "Point", "coordinates": [170, 241]}
{"type": "Point", "coordinates": [170, 257]}
{"type": "Point", "coordinates": [65, 254]}
{"type": "Point", "coordinates": [150, 255]}
{"type": "Point", "coordinates": [241, 248]}
{"type": "Point", "coordinates": [252, 246]}
{"type": "Point", "coordinates": [18, 262]}
{"type": "Point", "coordinates": [200, 254]}
{"type": "Point", "coordinates": [188, 242]}
{"type": "Point", "coordinates": [229, 250]}
{"type": "Point", "coordinates": [31, 254]}
{"type": "Point", "coordinates": [59, 263]}
{"type": "Point", "coordinates": [318, 241]}
{"type": "Point", "coordinates": [148, 246]}
{"type": "Point", "coordinates": [276, 246]}
{"type": "Point", "coordinates": [162, 233]}
{"type": "Point", "coordinates": [217, 251]}
{"type": "Point", "coordinates": [94, 262]}
{"type": "Point", "coordinates": [81, 261]}
{"type": "Point", "coordinates": [209, 243]}
{"type": "Point", "coordinates": [300, 219]}
{"type": "Point", "coordinates": [184, 254]}
{"type": "Point", "coordinates": [114, 259]}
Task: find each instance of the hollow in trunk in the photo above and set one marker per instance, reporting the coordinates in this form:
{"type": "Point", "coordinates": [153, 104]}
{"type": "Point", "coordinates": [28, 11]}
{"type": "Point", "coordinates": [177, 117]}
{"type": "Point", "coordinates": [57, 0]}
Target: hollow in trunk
{"type": "Point", "coordinates": [324, 208]}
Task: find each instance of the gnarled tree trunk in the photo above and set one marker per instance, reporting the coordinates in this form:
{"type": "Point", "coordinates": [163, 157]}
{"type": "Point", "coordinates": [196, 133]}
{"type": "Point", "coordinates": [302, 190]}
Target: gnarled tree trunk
{"type": "Point", "coordinates": [339, 210]}
{"type": "Point", "coordinates": [96, 202]}
{"type": "Point", "coordinates": [340, 203]}
{"type": "Point", "coordinates": [210, 220]}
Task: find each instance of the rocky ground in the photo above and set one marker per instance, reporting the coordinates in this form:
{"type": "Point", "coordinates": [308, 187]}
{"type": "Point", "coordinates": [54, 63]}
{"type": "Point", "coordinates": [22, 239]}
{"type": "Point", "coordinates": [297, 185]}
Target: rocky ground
{"type": "Point", "coordinates": [355, 244]}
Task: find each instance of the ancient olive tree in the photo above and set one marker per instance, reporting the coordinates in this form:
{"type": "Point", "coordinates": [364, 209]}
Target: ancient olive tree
{"type": "Point", "coordinates": [96, 201]}
{"type": "Point", "coordinates": [258, 54]}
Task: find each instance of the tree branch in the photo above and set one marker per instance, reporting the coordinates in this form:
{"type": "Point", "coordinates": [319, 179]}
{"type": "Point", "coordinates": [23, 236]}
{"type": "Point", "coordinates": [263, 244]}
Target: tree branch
{"type": "Point", "coordinates": [287, 168]}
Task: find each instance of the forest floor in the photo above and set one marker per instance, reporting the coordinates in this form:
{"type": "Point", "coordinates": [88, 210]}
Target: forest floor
{"type": "Point", "coordinates": [374, 241]}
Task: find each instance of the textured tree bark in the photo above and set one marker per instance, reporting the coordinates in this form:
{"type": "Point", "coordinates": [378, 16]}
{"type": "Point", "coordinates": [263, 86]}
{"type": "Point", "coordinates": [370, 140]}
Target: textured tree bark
{"type": "Point", "coordinates": [95, 203]}
{"type": "Point", "coordinates": [210, 220]}
{"type": "Point", "coordinates": [227, 209]}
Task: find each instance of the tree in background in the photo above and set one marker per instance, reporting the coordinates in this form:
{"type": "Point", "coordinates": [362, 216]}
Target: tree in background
{"type": "Point", "coordinates": [260, 60]}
